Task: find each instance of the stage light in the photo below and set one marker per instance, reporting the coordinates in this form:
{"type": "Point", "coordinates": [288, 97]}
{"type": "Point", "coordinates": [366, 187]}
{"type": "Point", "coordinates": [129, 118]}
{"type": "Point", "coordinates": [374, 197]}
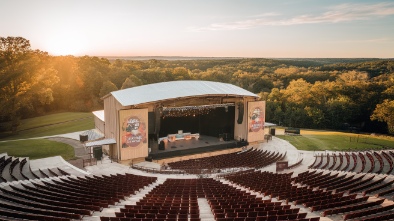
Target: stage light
{"type": "Point", "coordinates": [192, 110]}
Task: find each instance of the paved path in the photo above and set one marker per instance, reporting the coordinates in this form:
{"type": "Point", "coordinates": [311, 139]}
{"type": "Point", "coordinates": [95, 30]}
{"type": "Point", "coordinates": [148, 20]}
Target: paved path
{"type": "Point", "coordinates": [80, 151]}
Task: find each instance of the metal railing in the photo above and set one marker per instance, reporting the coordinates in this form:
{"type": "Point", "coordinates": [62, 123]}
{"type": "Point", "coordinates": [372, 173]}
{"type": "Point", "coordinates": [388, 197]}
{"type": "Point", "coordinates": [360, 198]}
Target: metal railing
{"type": "Point", "coordinates": [191, 171]}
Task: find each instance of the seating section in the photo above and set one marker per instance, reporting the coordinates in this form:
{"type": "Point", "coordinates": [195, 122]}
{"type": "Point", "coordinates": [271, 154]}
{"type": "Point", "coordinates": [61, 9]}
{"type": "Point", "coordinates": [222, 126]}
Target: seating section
{"type": "Point", "coordinates": [295, 164]}
{"type": "Point", "coordinates": [331, 193]}
{"type": "Point", "coordinates": [177, 199]}
{"type": "Point", "coordinates": [389, 160]}
{"type": "Point", "coordinates": [354, 185]}
{"type": "Point", "coordinates": [379, 162]}
{"type": "Point", "coordinates": [67, 198]}
{"type": "Point", "coordinates": [174, 199]}
{"type": "Point", "coordinates": [16, 168]}
{"type": "Point", "coordinates": [318, 161]}
{"type": "Point", "coordinates": [369, 164]}
{"type": "Point", "coordinates": [252, 158]}
{"type": "Point", "coordinates": [374, 213]}
{"type": "Point", "coordinates": [267, 183]}
{"type": "Point", "coordinates": [4, 162]}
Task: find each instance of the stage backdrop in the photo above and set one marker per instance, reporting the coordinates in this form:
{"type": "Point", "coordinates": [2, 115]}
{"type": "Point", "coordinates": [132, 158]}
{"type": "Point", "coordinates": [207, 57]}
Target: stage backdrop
{"type": "Point", "coordinates": [133, 134]}
{"type": "Point", "coordinates": [256, 119]}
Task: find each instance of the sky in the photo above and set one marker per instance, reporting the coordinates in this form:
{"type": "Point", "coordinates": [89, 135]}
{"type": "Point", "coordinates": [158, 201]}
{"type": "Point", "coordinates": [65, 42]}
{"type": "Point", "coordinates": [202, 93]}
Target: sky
{"type": "Point", "coordinates": [204, 28]}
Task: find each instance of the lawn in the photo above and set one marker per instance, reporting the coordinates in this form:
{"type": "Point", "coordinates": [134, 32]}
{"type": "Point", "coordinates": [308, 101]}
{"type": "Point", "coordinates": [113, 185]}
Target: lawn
{"type": "Point", "coordinates": [313, 140]}
{"type": "Point", "coordinates": [52, 125]}
{"type": "Point", "coordinates": [37, 148]}
{"type": "Point", "coordinates": [48, 125]}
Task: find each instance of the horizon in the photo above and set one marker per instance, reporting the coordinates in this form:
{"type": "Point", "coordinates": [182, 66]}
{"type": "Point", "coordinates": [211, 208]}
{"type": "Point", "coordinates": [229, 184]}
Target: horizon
{"type": "Point", "coordinates": [210, 57]}
{"type": "Point", "coordinates": [218, 29]}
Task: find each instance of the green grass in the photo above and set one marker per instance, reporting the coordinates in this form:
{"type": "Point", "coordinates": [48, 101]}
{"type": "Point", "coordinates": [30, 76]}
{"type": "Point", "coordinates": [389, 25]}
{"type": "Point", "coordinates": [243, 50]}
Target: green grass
{"type": "Point", "coordinates": [313, 140]}
{"type": "Point", "coordinates": [52, 125]}
{"type": "Point", "coordinates": [37, 148]}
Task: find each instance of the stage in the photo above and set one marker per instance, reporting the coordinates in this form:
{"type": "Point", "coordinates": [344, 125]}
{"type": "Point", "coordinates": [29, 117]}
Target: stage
{"type": "Point", "coordinates": [193, 146]}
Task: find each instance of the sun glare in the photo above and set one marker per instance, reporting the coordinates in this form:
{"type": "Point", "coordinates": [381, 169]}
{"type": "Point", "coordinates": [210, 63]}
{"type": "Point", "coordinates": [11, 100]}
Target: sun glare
{"type": "Point", "coordinates": [66, 45]}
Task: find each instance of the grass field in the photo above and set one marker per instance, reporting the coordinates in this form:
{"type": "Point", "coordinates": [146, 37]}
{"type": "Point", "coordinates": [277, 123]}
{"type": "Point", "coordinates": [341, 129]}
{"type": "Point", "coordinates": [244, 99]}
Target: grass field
{"type": "Point", "coordinates": [313, 140]}
{"type": "Point", "coordinates": [52, 125]}
{"type": "Point", "coordinates": [48, 125]}
{"type": "Point", "coordinates": [37, 148]}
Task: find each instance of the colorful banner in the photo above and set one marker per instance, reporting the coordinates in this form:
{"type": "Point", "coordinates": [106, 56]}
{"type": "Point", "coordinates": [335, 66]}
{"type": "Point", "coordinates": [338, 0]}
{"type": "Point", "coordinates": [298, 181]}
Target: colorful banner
{"type": "Point", "coordinates": [133, 133]}
{"type": "Point", "coordinates": [256, 119]}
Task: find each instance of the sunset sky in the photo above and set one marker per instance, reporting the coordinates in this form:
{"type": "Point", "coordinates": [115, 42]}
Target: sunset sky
{"type": "Point", "coordinates": [207, 28]}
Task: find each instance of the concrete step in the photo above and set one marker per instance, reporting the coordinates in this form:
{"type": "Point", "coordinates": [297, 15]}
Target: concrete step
{"type": "Point", "coordinates": [205, 210]}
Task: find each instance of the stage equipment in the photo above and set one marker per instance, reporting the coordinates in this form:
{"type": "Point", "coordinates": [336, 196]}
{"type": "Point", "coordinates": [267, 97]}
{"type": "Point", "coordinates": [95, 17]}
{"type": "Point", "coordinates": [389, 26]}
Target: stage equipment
{"type": "Point", "coordinates": [191, 110]}
{"type": "Point", "coordinates": [240, 113]}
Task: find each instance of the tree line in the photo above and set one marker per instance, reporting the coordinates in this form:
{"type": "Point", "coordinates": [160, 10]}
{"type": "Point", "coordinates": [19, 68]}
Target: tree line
{"type": "Point", "coordinates": [310, 93]}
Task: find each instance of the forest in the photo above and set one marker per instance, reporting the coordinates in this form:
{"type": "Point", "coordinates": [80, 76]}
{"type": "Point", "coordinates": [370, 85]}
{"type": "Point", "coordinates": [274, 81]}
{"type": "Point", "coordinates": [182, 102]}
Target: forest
{"type": "Point", "coordinates": [335, 93]}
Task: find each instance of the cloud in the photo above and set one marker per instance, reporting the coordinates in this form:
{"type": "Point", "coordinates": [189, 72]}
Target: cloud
{"type": "Point", "coordinates": [372, 40]}
{"type": "Point", "coordinates": [268, 14]}
{"type": "Point", "coordinates": [335, 14]}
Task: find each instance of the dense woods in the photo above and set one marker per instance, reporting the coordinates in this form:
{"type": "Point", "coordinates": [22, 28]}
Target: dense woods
{"type": "Point", "coordinates": [310, 93]}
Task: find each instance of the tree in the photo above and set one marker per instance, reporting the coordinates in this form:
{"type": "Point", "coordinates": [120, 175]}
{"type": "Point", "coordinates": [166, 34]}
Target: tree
{"type": "Point", "coordinates": [181, 73]}
{"type": "Point", "coordinates": [23, 78]}
{"type": "Point", "coordinates": [298, 92]}
{"type": "Point", "coordinates": [91, 76]}
{"type": "Point", "coordinates": [107, 88]}
{"type": "Point", "coordinates": [131, 81]}
{"type": "Point", "coordinates": [66, 91]}
{"type": "Point", "coordinates": [384, 113]}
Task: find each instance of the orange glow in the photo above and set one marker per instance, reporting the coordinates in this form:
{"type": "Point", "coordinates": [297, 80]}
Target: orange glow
{"type": "Point", "coordinates": [66, 44]}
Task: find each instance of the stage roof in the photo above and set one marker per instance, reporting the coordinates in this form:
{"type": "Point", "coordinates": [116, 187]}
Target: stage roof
{"type": "Point", "coordinates": [176, 89]}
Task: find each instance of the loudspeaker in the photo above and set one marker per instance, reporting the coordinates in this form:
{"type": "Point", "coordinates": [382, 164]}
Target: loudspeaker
{"type": "Point", "coordinates": [240, 113]}
{"type": "Point", "coordinates": [161, 145]}
{"type": "Point", "coordinates": [158, 113]}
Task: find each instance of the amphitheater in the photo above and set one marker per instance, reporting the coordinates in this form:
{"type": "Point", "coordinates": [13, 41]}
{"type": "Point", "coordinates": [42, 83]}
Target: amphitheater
{"type": "Point", "coordinates": [241, 184]}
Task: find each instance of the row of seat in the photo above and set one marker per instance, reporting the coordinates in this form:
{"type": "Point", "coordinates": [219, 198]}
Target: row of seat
{"type": "Point", "coordinates": [296, 164]}
{"type": "Point", "coordinates": [363, 183]}
{"type": "Point", "coordinates": [15, 168]}
{"type": "Point", "coordinates": [178, 198]}
{"type": "Point", "coordinates": [259, 218]}
{"type": "Point", "coordinates": [369, 212]}
{"type": "Point", "coordinates": [329, 192]}
{"type": "Point", "coordinates": [61, 200]}
{"type": "Point", "coordinates": [351, 183]}
{"type": "Point", "coordinates": [252, 158]}
{"type": "Point", "coordinates": [363, 162]}
{"type": "Point", "coordinates": [267, 183]}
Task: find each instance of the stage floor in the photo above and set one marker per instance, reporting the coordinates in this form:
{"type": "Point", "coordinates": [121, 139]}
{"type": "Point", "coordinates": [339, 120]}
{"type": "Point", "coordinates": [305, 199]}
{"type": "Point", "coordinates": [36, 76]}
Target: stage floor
{"type": "Point", "coordinates": [186, 147]}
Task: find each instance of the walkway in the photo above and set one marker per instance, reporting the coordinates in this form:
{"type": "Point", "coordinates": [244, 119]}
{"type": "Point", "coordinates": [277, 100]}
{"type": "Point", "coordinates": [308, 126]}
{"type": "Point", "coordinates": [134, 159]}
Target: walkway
{"type": "Point", "coordinates": [80, 151]}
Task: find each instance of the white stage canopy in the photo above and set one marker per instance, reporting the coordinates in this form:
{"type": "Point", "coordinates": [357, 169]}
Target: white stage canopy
{"type": "Point", "coordinates": [175, 89]}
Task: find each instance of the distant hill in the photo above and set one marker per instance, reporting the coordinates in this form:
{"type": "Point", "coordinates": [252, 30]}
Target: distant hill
{"type": "Point", "coordinates": [315, 61]}
{"type": "Point", "coordinates": [167, 58]}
